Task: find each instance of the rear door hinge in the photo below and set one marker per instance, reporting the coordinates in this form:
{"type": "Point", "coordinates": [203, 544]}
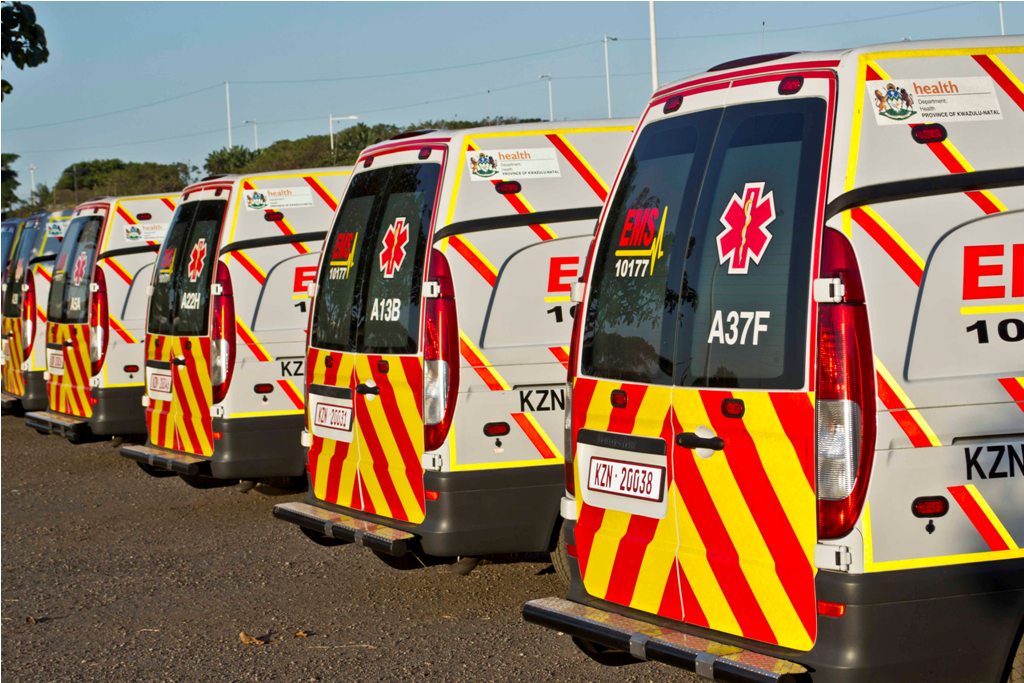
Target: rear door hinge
{"type": "Point", "coordinates": [835, 557]}
{"type": "Point", "coordinates": [829, 290]}
{"type": "Point", "coordinates": [431, 290]}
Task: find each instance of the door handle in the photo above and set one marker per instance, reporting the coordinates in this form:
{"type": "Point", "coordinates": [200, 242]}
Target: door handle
{"type": "Point", "coordinates": [697, 439]}
{"type": "Point", "coordinates": [180, 360]}
{"type": "Point", "coordinates": [372, 389]}
{"type": "Point", "coordinates": [68, 343]}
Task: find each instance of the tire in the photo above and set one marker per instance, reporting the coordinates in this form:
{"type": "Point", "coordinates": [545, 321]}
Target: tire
{"type": "Point", "coordinates": [603, 655]}
{"type": "Point", "coordinates": [155, 471]}
{"type": "Point", "coordinates": [1017, 665]}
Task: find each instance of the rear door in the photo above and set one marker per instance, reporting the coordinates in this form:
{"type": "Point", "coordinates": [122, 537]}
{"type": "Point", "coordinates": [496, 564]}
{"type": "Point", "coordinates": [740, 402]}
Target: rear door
{"type": "Point", "coordinates": [364, 368]}
{"type": "Point", "coordinates": [67, 327]}
{"type": "Point", "coordinates": [703, 283]}
{"type": "Point", "coordinates": [178, 344]}
{"type": "Point", "coordinates": [14, 321]}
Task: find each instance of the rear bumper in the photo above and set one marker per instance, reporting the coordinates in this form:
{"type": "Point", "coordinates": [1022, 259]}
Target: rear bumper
{"type": "Point", "coordinates": [161, 458]}
{"type": "Point", "coordinates": [69, 426]}
{"type": "Point", "coordinates": [35, 394]}
{"type": "Point", "coordinates": [118, 411]}
{"type": "Point", "coordinates": [345, 528]}
{"type": "Point", "coordinates": [644, 641]}
{"type": "Point", "coordinates": [258, 447]}
{"type": "Point", "coordinates": [476, 513]}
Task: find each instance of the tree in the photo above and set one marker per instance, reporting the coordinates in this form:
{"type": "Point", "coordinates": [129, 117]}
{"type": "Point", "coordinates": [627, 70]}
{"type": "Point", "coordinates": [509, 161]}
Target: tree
{"type": "Point", "coordinates": [9, 182]}
{"type": "Point", "coordinates": [24, 41]}
{"type": "Point", "coordinates": [229, 159]}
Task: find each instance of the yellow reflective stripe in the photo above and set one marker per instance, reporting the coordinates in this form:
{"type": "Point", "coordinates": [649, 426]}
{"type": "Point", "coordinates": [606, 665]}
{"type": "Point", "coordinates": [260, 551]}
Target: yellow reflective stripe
{"type": "Point", "coordinates": [659, 559]}
{"type": "Point", "coordinates": [997, 524]}
{"type": "Point", "coordinates": [905, 400]}
{"type": "Point", "coordinates": [999, 308]}
{"type": "Point", "coordinates": [603, 550]}
{"type": "Point", "coordinates": [896, 237]}
{"type": "Point", "coordinates": [265, 413]}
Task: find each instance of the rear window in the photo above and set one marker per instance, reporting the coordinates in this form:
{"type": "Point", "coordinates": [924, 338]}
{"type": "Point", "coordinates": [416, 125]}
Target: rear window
{"type": "Point", "coordinates": [715, 293]}
{"type": "Point", "coordinates": [25, 250]}
{"type": "Point", "coordinates": [72, 274]}
{"type": "Point", "coordinates": [184, 270]}
{"type": "Point", "coordinates": [368, 296]}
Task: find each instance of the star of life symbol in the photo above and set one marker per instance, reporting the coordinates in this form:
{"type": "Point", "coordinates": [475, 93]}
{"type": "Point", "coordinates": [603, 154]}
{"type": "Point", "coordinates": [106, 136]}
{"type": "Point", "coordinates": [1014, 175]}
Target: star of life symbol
{"type": "Point", "coordinates": [745, 237]}
{"type": "Point", "coordinates": [196, 259]}
{"type": "Point", "coordinates": [79, 272]}
{"type": "Point", "coordinates": [393, 254]}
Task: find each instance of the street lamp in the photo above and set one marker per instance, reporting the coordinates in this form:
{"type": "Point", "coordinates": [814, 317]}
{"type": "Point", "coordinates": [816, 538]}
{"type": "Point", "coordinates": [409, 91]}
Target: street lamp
{"type": "Point", "coordinates": [607, 73]}
{"type": "Point", "coordinates": [32, 183]}
{"type": "Point", "coordinates": [551, 102]}
{"type": "Point", "coordinates": [255, 133]}
{"type": "Point", "coordinates": [330, 125]}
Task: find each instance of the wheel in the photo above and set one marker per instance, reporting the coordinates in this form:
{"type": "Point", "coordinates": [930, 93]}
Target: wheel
{"type": "Point", "coordinates": [1017, 666]}
{"type": "Point", "coordinates": [201, 481]}
{"type": "Point", "coordinates": [464, 565]}
{"type": "Point", "coordinates": [560, 560]}
{"type": "Point", "coordinates": [603, 655]}
{"type": "Point", "coordinates": [320, 539]}
{"type": "Point", "coordinates": [154, 471]}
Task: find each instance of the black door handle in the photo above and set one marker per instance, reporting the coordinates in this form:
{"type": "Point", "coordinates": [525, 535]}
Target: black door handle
{"type": "Point", "coordinates": [691, 440]}
{"type": "Point", "coordinates": [180, 360]}
{"type": "Point", "coordinates": [68, 342]}
{"type": "Point", "coordinates": [367, 389]}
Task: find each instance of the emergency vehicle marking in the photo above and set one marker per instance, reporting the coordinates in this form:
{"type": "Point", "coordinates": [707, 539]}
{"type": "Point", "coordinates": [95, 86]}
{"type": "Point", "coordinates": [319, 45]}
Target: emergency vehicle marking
{"type": "Point", "coordinates": [562, 354]}
{"type": "Point", "coordinates": [980, 514]}
{"type": "Point", "coordinates": [117, 269]}
{"type": "Point", "coordinates": [478, 261]}
{"type": "Point", "coordinates": [292, 392]}
{"type": "Point", "coordinates": [476, 359]}
{"type": "Point", "coordinates": [639, 244]}
{"type": "Point", "coordinates": [252, 342]}
{"type": "Point", "coordinates": [120, 329]}
{"type": "Point", "coordinates": [540, 400]}
{"type": "Point", "coordinates": [727, 330]}
{"type": "Point", "coordinates": [537, 436]}
{"type": "Point", "coordinates": [343, 256]}
{"type": "Point", "coordinates": [901, 409]}
{"type": "Point", "coordinates": [14, 356]}
{"type": "Point", "coordinates": [392, 256]}
{"type": "Point", "coordinates": [78, 274]}
{"type": "Point", "coordinates": [68, 390]}
{"type": "Point", "coordinates": [518, 203]}
{"type": "Point", "coordinates": [249, 265]}
{"type": "Point", "coordinates": [1015, 388]}
{"type": "Point", "coordinates": [999, 468]}
{"type": "Point", "coordinates": [1002, 75]}
{"type": "Point", "coordinates": [746, 220]}
{"type": "Point", "coordinates": [579, 163]}
{"type": "Point", "coordinates": [322, 192]}
{"type": "Point", "coordinates": [182, 423]}
{"type": "Point", "coordinates": [196, 259]}
{"type": "Point", "coordinates": [897, 248]}
{"type": "Point", "coordinates": [279, 198]}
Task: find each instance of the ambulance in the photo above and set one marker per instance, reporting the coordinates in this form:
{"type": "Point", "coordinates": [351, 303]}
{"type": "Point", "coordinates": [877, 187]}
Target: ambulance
{"type": "Point", "coordinates": [226, 327]}
{"type": "Point", "coordinates": [96, 317]}
{"type": "Point", "coordinates": [9, 231]}
{"type": "Point", "coordinates": [26, 288]}
{"type": "Point", "coordinates": [436, 365]}
{"type": "Point", "coordinates": [797, 390]}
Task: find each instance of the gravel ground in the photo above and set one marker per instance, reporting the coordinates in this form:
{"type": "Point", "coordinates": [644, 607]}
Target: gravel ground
{"type": "Point", "coordinates": [109, 574]}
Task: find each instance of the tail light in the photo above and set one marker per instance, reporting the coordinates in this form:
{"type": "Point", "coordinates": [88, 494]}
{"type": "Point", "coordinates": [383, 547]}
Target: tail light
{"type": "Point", "coordinates": [440, 354]}
{"type": "Point", "coordinates": [222, 336]}
{"type": "Point", "coordinates": [28, 314]}
{"type": "Point", "coordinates": [99, 321]}
{"type": "Point", "coordinates": [574, 346]}
{"type": "Point", "coordinates": [845, 394]}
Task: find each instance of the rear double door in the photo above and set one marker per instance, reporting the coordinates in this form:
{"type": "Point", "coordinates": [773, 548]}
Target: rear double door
{"type": "Point", "coordinates": [695, 447]}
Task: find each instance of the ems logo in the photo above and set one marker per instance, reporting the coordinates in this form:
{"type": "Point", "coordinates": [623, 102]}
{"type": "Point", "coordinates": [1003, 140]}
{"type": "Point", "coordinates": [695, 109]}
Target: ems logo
{"type": "Point", "coordinates": [745, 237]}
{"type": "Point", "coordinates": [895, 103]}
{"type": "Point", "coordinates": [483, 165]}
{"type": "Point", "coordinates": [78, 274]}
{"type": "Point", "coordinates": [256, 200]}
{"type": "Point", "coordinates": [393, 254]}
{"type": "Point", "coordinates": [196, 259]}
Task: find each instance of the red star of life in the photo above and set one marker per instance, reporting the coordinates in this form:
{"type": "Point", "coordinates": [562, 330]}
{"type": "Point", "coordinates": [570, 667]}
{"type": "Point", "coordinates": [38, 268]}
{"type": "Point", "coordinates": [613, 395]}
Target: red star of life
{"type": "Point", "coordinates": [393, 254]}
{"type": "Point", "coordinates": [79, 273]}
{"type": "Point", "coordinates": [745, 237]}
{"type": "Point", "coordinates": [196, 258]}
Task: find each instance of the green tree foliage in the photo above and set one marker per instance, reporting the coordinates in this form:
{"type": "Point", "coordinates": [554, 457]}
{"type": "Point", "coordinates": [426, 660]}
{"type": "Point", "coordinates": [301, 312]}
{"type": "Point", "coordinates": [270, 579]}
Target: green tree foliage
{"type": "Point", "coordinates": [98, 177]}
{"type": "Point", "coordinates": [24, 41]}
{"type": "Point", "coordinates": [229, 159]}
{"type": "Point", "coordinates": [9, 182]}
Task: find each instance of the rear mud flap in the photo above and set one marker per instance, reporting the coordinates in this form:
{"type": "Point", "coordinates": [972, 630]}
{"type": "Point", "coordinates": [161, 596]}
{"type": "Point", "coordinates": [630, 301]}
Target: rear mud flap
{"type": "Point", "coordinates": [711, 660]}
{"type": "Point", "coordinates": [68, 426]}
{"type": "Point", "coordinates": [344, 528]}
{"type": "Point", "coordinates": [167, 460]}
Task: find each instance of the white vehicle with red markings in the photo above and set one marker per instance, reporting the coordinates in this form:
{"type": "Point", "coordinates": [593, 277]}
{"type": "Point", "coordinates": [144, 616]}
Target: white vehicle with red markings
{"type": "Point", "coordinates": [436, 366]}
{"type": "Point", "coordinates": [226, 326]}
{"type": "Point", "coordinates": [797, 391]}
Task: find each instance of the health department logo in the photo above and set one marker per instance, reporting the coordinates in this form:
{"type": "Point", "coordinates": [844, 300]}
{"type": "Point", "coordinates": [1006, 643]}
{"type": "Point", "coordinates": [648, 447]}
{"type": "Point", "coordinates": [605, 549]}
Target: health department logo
{"type": "Point", "coordinates": [256, 200]}
{"type": "Point", "coordinates": [894, 103]}
{"type": "Point", "coordinates": [483, 165]}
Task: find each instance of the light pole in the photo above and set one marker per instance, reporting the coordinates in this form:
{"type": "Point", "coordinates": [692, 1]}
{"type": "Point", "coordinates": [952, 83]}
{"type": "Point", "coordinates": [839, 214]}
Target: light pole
{"type": "Point", "coordinates": [608, 73]}
{"type": "Point", "coordinates": [551, 101]}
{"type": "Point", "coordinates": [330, 125]}
{"type": "Point", "coordinates": [227, 102]}
{"type": "Point", "coordinates": [255, 133]}
{"type": "Point", "coordinates": [654, 49]}
{"type": "Point", "coordinates": [32, 183]}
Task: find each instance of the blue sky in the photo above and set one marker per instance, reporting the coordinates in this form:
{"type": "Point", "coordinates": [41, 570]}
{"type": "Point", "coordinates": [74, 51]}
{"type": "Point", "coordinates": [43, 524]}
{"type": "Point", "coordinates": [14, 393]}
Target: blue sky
{"type": "Point", "coordinates": [107, 57]}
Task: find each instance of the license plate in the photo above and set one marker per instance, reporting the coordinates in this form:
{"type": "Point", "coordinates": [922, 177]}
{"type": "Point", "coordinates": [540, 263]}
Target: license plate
{"type": "Point", "coordinates": [6, 353]}
{"type": "Point", "coordinates": [55, 361]}
{"type": "Point", "coordinates": [628, 479]}
{"type": "Point", "coordinates": [333, 416]}
{"type": "Point", "coordinates": [160, 383]}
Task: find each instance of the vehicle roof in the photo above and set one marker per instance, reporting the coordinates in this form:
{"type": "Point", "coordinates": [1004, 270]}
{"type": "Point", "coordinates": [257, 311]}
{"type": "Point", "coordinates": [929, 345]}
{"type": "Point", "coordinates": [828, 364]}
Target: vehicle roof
{"type": "Point", "coordinates": [232, 178]}
{"type": "Point", "coordinates": [454, 137]}
{"type": "Point", "coordinates": [841, 55]}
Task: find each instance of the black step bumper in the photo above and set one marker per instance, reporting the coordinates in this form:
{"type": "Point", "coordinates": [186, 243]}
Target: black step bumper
{"type": "Point", "coordinates": [161, 458]}
{"type": "Point", "coordinates": [11, 404]}
{"type": "Point", "coordinates": [69, 426]}
{"type": "Point", "coordinates": [34, 398]}
{"type": "Point", "coordinates": [709, 659]}
{"type": "Point", "coordinates": [344, 528]}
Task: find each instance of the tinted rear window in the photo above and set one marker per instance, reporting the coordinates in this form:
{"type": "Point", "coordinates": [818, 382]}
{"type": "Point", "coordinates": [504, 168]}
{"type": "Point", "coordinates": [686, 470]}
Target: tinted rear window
{"type": "Point", "coordinates": [72, 274]}
{"type": "Point", "coordinates": [181, 284]}
{"type": "Point", "coordinates": [369, 286]}
{"type": "Point", "coordinates": [25, 250]}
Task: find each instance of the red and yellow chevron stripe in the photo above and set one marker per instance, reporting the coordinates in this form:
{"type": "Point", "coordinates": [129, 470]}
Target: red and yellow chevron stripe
{"type": "Point", "coordinates": [538, 437]}
{"type": "Point", "coordinates": [476, 359]}
{"type": "Point", "coordinates": [182, 423]}
{"type": "Point", "coordinates": [580, 165]}
{"type": "Point", "coordinates": [282, 222]}
{"type": "Point", "coordinates": [332, 465]}
{"type": "Point", "coordinates": [909, 261]}
{"type": "Point", "coordinates": [902, 409]}
{"type": "Point", "coordinates": [13, 379]}
{"type": "Point", "coordinates": [1002, 75]}
{"type": "Point", "coordinates": [251, 341]}
{"type": "Point", "coordinates": [984, 519]}
{"type": "Point", "coordinates": [477, 260]}
{"type": "Point", "coordinates": [1015, 388]}
{"type": "Point", "coordinates": [322, 192]}
{"type": "Point", "coordinates": [117, 269]}
{"type": "Point", "coordinates": [68, 392]}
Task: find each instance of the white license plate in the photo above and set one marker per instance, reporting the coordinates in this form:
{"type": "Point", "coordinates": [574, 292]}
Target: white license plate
{"type": "Point", "coordinates": [333, 416]}
{"type": "Point", "coordinates": [55, 361]}
{"type": "Point", "coordinates": [160, 383]}
{"type": "Point", "coordinates": [628, 479]}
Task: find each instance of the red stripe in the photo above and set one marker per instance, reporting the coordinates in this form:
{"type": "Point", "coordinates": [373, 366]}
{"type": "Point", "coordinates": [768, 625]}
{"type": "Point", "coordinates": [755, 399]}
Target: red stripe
{"type": "Point", "coordinates": [168, 203]}
{"type": "Point", "coordinates": [559, 353]}
{"type": "Point", "coordinates": [517, 204]}
{"type": "Point", "coordinates": [291, 393]}
{"type": "Point", "coordinates": [125, 215]}
{"type": "Point", "coordinates": [586, 529]}
{"type": "Point", "coordinates": [319, 189]}
{"type": "Point", "coordinates": [250, 341]}
{"type": "Point", "coordinates": [1001, 78]}
{"type": "Point", "coordinates": [332, 492]}
{"type": "Point", "coordinates": [42, 271]}
{"type": "Point", "coordinates": [875, 231]}
{"type": "Point", "coordinates": [871, 75]}
{"type": "Point", "coordinates": [577, 164]}
{"type": "Point", "coordinates": [121, 331]}
{"type": "Point", "coordinates": [899, 412]}
{"type": "Point", "coordinates": [983, 202]}
{"type": "Point", "coordinates": [1015, 390]}
{"type": "Point", "coordinates": [365, 502]}
{"type": "Point", "coordinates": [535, 438]}
{"type": "Point", "coordinates": [198, 404]}
{"type": "Point", "coordinates": [792, 567]}
{"type": "Point", "coordinates": [248, 265]}
{"type": "Point", "coordinates": [473, 260]}
{"type": "Point", "coordinates": [480, 367]}
{"type": "Point", "coordinates": [978, 518]}
{"type": "Point", "coordinates": [796, 415]}
{"type": "Point", "coordinates": [118, 271]}
{"type": "Point", "coordinates": [378, 461]}
{"type": "Point", "coordinates": [184, 413]}
{"type": "Point", "coordinates": [693, 613]}
{"type": "Point", "coordinates": [396, 425]}
{"type": "Point", "coordinates": [414, 378]}
{"type": "Point", "coordinates": [720, 551]}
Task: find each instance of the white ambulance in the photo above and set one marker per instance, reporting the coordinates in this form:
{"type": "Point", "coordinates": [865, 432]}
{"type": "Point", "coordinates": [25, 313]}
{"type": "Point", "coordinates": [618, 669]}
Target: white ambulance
{"type": "Point", "coordinates": [26, 289]}
{"type": "Point", "coordinates": [798, 385]}
{"type": "Point", "coordinates": [436, 364]}
{"type": "Point", "coordinates": [96, 317]}
{"type": "Point", "coordinates": [226, 326]}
